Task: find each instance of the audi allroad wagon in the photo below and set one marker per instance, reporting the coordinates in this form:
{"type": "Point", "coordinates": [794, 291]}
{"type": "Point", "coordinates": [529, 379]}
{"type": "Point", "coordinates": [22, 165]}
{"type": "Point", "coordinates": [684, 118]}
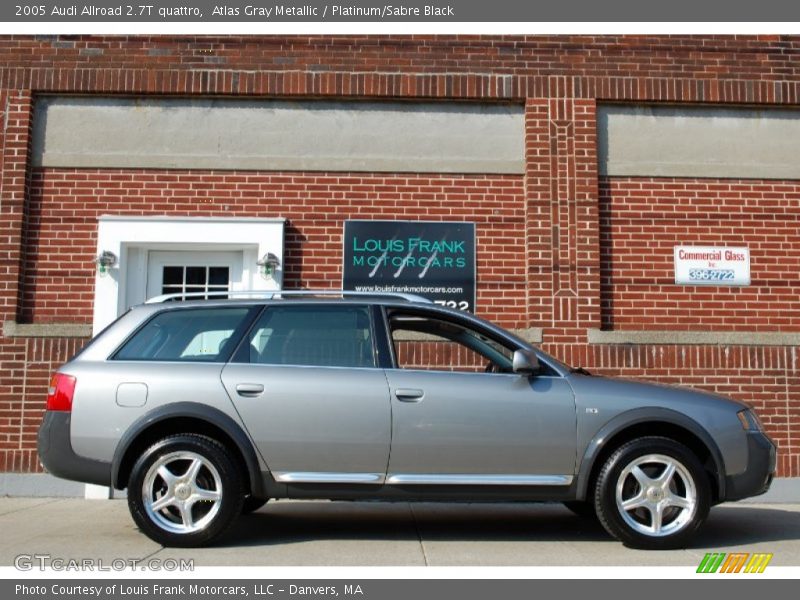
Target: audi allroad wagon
{"type": "Point", "coordinates": [205, 409]}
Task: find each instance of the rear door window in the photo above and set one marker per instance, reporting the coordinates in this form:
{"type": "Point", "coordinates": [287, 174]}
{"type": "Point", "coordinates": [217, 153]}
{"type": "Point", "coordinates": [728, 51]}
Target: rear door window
{"type": "Point", "coordinates": [311, 335]}
{"type": "Point", "coordinates": [188, 335]}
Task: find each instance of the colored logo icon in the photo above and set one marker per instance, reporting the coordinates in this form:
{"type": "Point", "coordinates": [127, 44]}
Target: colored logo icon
{"type": "Point", "coordinates": [736, 562]}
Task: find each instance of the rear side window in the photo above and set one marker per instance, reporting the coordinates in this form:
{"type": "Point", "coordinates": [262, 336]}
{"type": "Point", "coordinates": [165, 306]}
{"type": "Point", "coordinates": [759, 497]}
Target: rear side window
{"type": "Point", "coordinates": [321, 336]}
{"type": "Point", "coordinates": [190, 335]}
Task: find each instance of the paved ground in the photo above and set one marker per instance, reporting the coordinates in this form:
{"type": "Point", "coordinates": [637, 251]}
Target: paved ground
{"type": "Point", "coordinates": [364, 533]}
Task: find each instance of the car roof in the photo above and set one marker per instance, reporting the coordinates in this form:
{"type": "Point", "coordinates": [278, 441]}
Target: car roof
{"type": "Point", "coordinates": [265, 296]}
{"type": "Point", "coordinates": [280, 301]}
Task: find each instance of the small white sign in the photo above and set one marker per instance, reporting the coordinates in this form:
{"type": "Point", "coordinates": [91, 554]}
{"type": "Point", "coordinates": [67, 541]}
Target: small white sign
{"type": "Point", "coordinates": [712, 265]}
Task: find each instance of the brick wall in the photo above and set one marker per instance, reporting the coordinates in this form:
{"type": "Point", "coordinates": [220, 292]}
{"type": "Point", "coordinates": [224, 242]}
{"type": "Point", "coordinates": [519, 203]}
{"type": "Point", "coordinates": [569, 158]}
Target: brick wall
{"type": "Point", "coordinates": [196, 62]}
{"type": "Point", "coordinates": [562, 235]}
{"type": "Point", "coordinates": [27, 365]}
{"type": "Point", "coordinates": [438, 355]}
{"type": "Point", "coordinates": [642, 219]}
{"type": "Point", "coordinates": [65, 206]}
{"type": "Point", "coordinates": [557, 248]}
{"type": "Point", "coordinates": [752, 69]}
{"type": "Point", "coordinates": [13, 192]}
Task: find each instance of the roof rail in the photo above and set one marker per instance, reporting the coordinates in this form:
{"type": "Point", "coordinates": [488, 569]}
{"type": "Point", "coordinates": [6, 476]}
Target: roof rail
{"type": "Point", "coordinates": [278, 294]}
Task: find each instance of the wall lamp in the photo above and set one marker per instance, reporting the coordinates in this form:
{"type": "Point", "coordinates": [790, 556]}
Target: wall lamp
{"type": "Point", "coordinates": [105, 261]}
{"type": "Point", "coordinates": [268, 263]}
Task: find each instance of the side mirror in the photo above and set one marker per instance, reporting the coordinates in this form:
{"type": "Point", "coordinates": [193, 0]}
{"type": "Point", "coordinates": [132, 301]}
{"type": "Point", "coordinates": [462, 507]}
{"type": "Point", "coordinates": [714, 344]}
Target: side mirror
{"type": "Point", "coordinates": [524, 362]}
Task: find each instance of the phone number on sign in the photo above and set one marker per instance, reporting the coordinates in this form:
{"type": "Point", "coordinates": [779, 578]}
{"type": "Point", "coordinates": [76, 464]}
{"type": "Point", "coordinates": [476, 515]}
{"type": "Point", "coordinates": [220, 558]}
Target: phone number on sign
{"type": "Point", "coordinates": [460, 305]}
{"type": "Point", "coordinates": [711, 274]}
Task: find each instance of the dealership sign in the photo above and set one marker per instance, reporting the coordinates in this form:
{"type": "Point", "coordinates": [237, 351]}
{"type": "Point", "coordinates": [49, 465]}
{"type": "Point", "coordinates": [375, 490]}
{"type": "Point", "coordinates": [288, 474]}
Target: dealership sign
{"type": "Point", "coordinates": [432, 259]}
{"type": "Point", "coordinates": [711, 265]}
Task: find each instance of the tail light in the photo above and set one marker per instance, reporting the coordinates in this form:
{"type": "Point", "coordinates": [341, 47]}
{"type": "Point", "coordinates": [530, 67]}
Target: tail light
{"type": "Point", "coordinates": [61, 391]}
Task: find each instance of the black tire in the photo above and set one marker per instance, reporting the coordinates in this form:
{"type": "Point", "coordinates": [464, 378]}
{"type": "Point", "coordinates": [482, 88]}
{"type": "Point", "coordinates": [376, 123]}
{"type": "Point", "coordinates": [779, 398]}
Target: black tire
{"type": "Point", "coordinates": [252, 504]}
{"type": "Point", "coordinates": [683, 499]}
{"type": "Point", "coordinates": [196, 465]}
{"type": "Point", "coordinates": [581, 508]}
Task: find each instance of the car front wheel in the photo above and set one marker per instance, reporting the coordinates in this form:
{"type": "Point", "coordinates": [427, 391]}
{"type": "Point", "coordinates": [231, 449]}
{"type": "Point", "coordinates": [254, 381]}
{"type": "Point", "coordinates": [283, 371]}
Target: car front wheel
{"type": "Point", "coordinates": [652, 493]}
{"type": "Point", "coordinates": [185, 490]}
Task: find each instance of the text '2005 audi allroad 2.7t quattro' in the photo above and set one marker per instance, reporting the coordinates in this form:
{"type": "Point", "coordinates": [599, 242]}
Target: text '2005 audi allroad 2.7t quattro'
{"type": "Point", "coordinates": [205, 409]}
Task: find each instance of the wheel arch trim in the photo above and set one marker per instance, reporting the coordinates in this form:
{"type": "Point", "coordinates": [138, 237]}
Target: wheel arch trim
{"type": "Point", "coordinates": [640, 416]}
{"type": "Point", "coordinates": [192, 410]}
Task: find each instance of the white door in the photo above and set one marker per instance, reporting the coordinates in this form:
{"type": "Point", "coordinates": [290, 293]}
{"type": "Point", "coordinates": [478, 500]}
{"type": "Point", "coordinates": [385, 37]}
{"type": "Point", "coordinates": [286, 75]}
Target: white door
{"type": "Point", "coordinates": [187, 272]}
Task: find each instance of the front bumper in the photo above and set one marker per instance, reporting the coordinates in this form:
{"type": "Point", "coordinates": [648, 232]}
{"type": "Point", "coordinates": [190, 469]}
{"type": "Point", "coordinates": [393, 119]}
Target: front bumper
{"type": "Point", "coordinates": [761, 460]}
{"type": "Point", "coordinates": [58, 457]}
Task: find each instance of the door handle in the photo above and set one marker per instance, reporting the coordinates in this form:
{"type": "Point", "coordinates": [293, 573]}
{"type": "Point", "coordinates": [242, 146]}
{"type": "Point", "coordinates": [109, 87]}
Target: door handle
{"type": "Point", "coordinates": [409, 395]}
{"type": "Point", "coordinates": [249, 390]}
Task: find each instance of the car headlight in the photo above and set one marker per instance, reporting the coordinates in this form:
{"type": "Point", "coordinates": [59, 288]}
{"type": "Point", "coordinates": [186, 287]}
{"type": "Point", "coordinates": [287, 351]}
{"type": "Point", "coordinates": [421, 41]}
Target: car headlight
{"type": "Point", "coordinates": [750, 420]}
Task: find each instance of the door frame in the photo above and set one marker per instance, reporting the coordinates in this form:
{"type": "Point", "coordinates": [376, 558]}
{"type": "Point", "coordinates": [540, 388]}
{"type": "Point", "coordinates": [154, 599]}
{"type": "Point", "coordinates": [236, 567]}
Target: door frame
{"type": "Point", "coordinates": [131, 238]}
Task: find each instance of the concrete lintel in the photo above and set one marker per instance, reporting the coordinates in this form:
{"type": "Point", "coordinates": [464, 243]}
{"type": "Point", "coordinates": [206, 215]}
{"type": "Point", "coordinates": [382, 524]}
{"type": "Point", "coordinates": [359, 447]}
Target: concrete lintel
{"type": "Point", "coordinates": [705, 338]}
{"type": "Point", "coordinates": [49, 330]}
{"type": "Point", "coordinates": [695, 141]}
{"type": "Point", "coordinates": [278, 135]}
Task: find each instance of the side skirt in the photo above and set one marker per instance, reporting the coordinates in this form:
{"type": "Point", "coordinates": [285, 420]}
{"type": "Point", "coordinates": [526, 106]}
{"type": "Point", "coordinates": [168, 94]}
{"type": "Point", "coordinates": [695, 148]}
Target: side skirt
{"type": "Point", "coordinates": [416, 492]}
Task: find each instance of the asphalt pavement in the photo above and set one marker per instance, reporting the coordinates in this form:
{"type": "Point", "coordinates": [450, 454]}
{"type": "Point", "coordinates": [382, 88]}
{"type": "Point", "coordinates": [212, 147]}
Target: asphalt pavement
{"type": "Point", "coordinates": [321, 533]}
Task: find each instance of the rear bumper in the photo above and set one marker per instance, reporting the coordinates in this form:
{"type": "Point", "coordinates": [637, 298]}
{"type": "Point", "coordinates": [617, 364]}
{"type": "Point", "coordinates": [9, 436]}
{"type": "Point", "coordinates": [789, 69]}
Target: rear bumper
{"type": "Point", "coordinates": [58, 457]}
{"type": "Point", "coordinates": [760, 471]}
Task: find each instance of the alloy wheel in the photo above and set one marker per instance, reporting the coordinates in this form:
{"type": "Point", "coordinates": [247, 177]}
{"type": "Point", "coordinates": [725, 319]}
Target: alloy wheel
{"type": "Point", "coordinates": [656, 495]}
{"type": "Point", "coordinates": [182, 492]}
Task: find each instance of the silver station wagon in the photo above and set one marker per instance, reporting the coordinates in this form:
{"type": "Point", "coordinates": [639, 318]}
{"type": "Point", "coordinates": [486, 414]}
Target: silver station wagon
{"type": "Point", "coordinates": [205, 409]}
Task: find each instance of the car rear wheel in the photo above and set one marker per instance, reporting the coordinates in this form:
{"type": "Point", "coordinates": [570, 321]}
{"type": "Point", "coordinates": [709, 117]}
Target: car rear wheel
{"type": "Point", "coordinates": [185, 490]}
{"type": "Point", "coordinates": [652, 493]}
